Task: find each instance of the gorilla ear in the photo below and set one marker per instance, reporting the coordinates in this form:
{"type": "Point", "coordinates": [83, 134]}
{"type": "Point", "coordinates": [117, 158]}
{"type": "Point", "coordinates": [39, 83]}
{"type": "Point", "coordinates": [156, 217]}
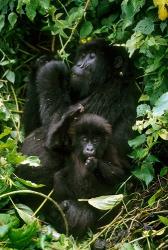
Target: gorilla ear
{"type": "Point", "coordinates": [118, 62]}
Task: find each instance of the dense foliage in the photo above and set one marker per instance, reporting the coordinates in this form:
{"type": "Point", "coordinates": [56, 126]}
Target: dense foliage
{"type": "Point", "coordinates": [29, 28]}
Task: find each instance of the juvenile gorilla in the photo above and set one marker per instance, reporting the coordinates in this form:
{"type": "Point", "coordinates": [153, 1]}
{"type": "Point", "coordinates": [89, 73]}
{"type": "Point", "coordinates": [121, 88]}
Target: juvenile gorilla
{"type": "Point", "coordinates": [93, 169]}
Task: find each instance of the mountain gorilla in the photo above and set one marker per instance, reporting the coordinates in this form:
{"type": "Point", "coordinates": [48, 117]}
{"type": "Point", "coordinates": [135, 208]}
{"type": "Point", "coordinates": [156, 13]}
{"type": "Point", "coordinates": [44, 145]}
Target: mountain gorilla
{"type": "Point", "coordinates": [93, 169]}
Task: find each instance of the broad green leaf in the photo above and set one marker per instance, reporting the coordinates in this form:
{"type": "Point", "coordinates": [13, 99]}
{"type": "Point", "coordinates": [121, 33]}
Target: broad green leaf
{"type": "Point", "coordinates": [139, 140]}
{"type": "Point", "coordinates": [161, 105]}
{"type": "Point", "coordinates": [31, 9]}
{"type": "Point", "coordinates": [86, 29]}
{"type": "Point", "coordinates": [74, 15]}
{"type": "Point", "coordinates": [164, 171]}
{"type": "Point", "coordinates": [146, 174]}
{"type": "Point", "coordinates": [145, 26]}
{"type": "Point", "coordinates": [27, 218]}
{"type": "Point", "coordinates": [164, 220]}
{"type": "Point", "coordinates": [2, 22]}
{"type": "Point", "coordinates": [106, 202]}
{"type": "Point", "coordinates": [139, 153]}
{"type": "Point", "coordinates": [12, 18]}
{"type": "Point", "coordinates": [129, 10]}
{"type": "Point", "coordinates": [10, 76]}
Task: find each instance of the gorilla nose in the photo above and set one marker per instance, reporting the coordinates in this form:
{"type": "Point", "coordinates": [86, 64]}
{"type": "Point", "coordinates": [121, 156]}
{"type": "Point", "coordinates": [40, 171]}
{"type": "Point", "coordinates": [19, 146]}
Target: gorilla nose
{"type": "Point", "coordinates": [90, 150]}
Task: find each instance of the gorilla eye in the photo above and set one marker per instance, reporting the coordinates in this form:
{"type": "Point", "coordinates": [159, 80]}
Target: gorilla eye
{"type": "Point", "coordinates": [83, 138]}
{"type": "Point", "coordinates": [92, 55]}
{"type": "Point", "coordinates": [96, 139]}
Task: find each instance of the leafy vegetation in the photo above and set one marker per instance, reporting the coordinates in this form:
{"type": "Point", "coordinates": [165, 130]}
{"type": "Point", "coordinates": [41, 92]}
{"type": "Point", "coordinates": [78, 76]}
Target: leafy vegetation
{"type": "Point", "coordinates": [29, 28]}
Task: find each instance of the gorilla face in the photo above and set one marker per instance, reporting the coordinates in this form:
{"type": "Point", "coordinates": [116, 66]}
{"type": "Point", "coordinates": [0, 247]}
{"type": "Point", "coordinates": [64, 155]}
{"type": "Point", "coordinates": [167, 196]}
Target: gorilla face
{"type": "Point", "coordinates": [82, 74]}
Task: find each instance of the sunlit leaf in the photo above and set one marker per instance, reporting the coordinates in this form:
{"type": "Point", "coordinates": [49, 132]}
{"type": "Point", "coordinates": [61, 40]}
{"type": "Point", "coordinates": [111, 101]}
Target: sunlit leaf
{"type": "Point", "coordinates": [161, 105]}
{"type": "Point", "coordinates": [106, 202]}
{"type": "Point", "coordinates": [29, 183]}
{"type": "Point", "coordinates": [164, 220]}
{"type": "Point", "coordinates": [32, 161]}
{"type": "Point", "coordinates": [163, 133]}
{"type": "Point", "coordinates": [26, 217]}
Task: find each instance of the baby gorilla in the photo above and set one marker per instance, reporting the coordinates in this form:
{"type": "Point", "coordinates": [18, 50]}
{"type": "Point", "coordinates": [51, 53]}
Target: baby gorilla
{"type": "Point", "coordinates": [93, 169]}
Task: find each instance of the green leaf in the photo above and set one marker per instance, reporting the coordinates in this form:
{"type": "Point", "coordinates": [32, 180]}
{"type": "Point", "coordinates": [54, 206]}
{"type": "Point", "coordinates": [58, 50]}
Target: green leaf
{"type": "Point", "coordinates": [145, 26]}
{"type": "Point", "coordinates": [6, 62]}
{"type": "Point", "coordinates": [146, 174]}
{"type": "Point", "coordinates": [6, 132]}
{"type": "Point", "coordinates": [129, 10]}
{"type": "Point", "coordinates": [45, 4]}
{"type": "Point", "coordinates": [12, 18]}
{"type": "Point", "coordinates": [139, 140]}
{"type": "Point", "coordinates": [163, 133]}
{"type": "Point", "coordinates": [10, 76]}
{"type": "Point", "coordinates": [139, 153]}
{"type": "Point", "coordinates": [22, 237]}
{"type": "Point", "coordinates": [143, 109]}
{"type": "Point", "coordinates": [86, 29]}
{"type": "Point", "coordinates": [161, 105]}
{"type": "Point", "coordinates": [164, 220]}
{"type": "Point", "coordinates": [164, 171]}
{"type": "Point", "coordinates": [6, 222]}
{"type": "Point", "coordinates": [29, 183]}
{"type": "Point", "coordinates": [26, 217]}
{"type": "Point", "coordinates": [157, 195]}
{"type": "Point", "coordinates": [106, 202]}
{"type": "Point", "coordinates": [2, 22]}
{"type": "Point", "coordinates": [134, 43]}
{"type": "Point", "coordinates": [31, 9]}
